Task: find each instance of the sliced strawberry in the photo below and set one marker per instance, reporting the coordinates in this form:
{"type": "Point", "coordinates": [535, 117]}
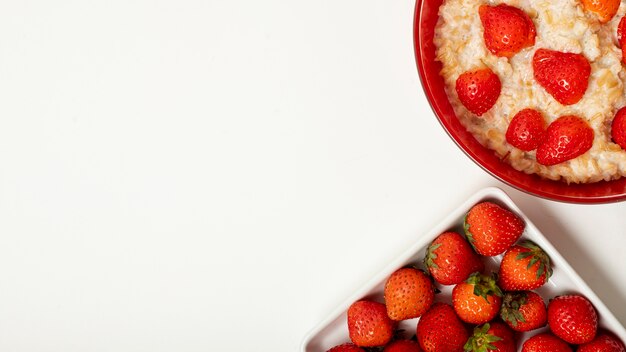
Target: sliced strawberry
{"type": "Point", "coordinates": [564, 75]}
{"type": "Point", "coordinates": [605, 9]}
{"type": "Point", "coordinates": [566, 138]}
{"type": "Point", "coordinates": [507, 29]}
{"type": "Point", "coordinates": [527, 130]}
{"type": "Point", "coordinates": [618, 128]}
{"type": "Point", "coordinates": [478, 90]}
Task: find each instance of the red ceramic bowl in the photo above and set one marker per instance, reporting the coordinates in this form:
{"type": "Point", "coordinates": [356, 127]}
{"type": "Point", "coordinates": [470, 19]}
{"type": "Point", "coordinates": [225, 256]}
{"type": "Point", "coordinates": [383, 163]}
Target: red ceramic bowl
{"type": "Point", "coordinates": [426, 15]}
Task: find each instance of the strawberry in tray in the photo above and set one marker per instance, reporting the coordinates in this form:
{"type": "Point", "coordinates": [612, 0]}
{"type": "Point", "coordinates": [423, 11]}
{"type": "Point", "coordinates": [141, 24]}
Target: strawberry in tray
{"type": "Point", "coordinates": [450, 259]}
{"type": "Point", "coordinates": [524, 267]}
{"type": "Point", "coordinates": [369, 325]}
{"type": "Point", "coordinates": [408, 294]}
{"type": "Point", "coordinates": [573, 319]}
{"type": "Point", "coordinates": [524, 311]}
{"type": "Point", "coordinates": [441, 330]}
{"type": "Point", "coordinates": [493, 337]}
{"type": "Point", "coordinates": [478, 299]}
{"type": "Point", "coordinates": [492, 229]}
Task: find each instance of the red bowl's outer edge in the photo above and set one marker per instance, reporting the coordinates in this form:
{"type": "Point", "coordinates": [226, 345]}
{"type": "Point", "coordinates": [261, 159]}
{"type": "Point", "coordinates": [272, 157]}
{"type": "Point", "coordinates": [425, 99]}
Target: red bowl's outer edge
{"type": "Point", "coordinates": [602, 187]}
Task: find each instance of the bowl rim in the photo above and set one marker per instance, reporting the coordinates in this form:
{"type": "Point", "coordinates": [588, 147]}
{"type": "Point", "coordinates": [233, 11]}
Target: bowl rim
{"type": "Point", "coordinates": [426, 87]}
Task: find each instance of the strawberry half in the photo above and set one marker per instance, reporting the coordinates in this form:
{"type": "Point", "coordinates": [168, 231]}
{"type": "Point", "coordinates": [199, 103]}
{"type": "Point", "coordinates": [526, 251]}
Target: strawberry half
{"type": "Point", "coordinates": [573, 319]}
{"type": "Point", "coordinates": [524, 311]}
{"type": "Point", "coordinates": [492, 229]}
{"type": "Point", "coordinates": [368, 324]}
{"type": "Point", "coordinates": [545, 343]}
{"type": "Point", "coordinates": [478, 90]}
{"type": "Point", "coordinates": [605, 9]}
{"type": "Point", "coordinates": [618, 128]}
{"type": "Point", "coordinates": [566, 138]}
{"type": "Point", "coordinates": [507, 29]}
{"type": "Point", "coordinates": [450, 259]}
{"type": "Point", "coordinates": [408, 294]}
{"type": "Point", "coordinates": [524, 267]}
{"type": "Point", "coordinates": [565, 76]}
{"type": "Point", "coordinates": [527, 130]}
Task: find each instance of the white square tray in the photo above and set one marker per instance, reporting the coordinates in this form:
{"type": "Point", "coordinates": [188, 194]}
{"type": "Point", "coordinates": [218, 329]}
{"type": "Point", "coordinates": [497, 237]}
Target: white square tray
{"type": "Point", "coordinates": [334, 329]}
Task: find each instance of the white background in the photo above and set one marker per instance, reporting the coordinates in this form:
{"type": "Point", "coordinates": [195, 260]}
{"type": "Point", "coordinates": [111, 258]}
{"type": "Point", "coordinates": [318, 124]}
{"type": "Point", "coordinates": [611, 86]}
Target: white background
{"type": "Point", "coordinates": [219, 175]}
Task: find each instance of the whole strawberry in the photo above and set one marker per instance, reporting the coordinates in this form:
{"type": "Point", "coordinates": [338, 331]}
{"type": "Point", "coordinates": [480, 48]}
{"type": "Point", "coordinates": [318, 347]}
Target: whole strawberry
{"type": "Point", "coordinates": [478, 299]}
{"type": "Point", "coordinates": [566, 138]}
{"type": "Point", "coordinates": [346, 347]}
{"type": "Point", "coordinates": [440, 330]}
{"type": "Point", "coordinates": [604, 342]}
{"type": "Point", "coordinates": [545, 343]}
{"type": "Point", "coordinates": [403, 346]}
{"type": "Point", "coordinates": [495, 337]}
{"type": "Point", "coordinates": [573, 319]}
{"type": "Point", "coordinates": [368, 324]}
{"type": "Point", "coordinates": [450, 259]}
{"type": "Point", "coordinates": [491, 229]}
{"type": "Point", "coordinates": [408, 294]}
{"type": "Point", "coordinates": [565, 76]}
{"type": "Point", "coordinates": [523, 311]}
{"type": "Point", "coordinates": [507, 29]}
{"type": "Point", "coordinates": [618, 128]}
{"type": "Point", "coordinates": [604, 9]}
{"type": "Point", "coordinates": [526, 130]}
{"type": "Point", "coordinates": [478, 90]}
{"type": "Point", "coordinates": [524, 267]}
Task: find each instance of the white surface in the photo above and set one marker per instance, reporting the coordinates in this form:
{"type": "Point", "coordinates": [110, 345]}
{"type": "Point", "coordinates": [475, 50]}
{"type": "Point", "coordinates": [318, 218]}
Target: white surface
{"type": "Point", "coordinates": [188, 175]}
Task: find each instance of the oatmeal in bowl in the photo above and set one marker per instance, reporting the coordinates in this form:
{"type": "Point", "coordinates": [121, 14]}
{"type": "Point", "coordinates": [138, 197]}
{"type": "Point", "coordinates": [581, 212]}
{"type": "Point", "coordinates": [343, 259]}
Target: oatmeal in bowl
{"type": "Point", "coordinates": [541, 83]}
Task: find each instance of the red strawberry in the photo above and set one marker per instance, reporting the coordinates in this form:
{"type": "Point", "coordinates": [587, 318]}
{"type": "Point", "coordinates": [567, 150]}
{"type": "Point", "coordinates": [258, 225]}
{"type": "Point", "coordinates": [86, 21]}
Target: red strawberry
{"type": "Point", "coordinates": [507, 29]}
{"type": "Point", "coordinates": [495, 337]}
{"type": "Point", "coordinates": [618, 128]}
{"type": "Point", "coordinates": [492, 229]}
{"type": "Point", "coordinates": [564, 75]}
{"type": "Point", "coordinates": [524, 311]}
{"type": "Point", "coordinates": [403, 346]}
{"type": "Point", "coordinates": [478, 90]}
{"type": "Point", "coordinates": [566, 138]}
{"type": "Point", "coordinates": [440, 330]}
{"type": "Point", "coordinates": [368, 324]}
{"type": "Point", "coordinates": [524, 267]}
{"type": "Point", "coordinates": [604, 342]}
{"type": "Point", "coordinates": [408, 294]}
{"type": "Point", "coordinates": [605, 9]}
{"type": "Point", "coordinates": [545, 343]}
{"type": "Point", "coordinates": [346, 347]}
{"type": "Point", "coordinates": [527, 130]}
{"type": "Point", "coordinates": [450, 259]}
{"type": "Point", "coordinates": [573, 319]}
{"type": "Point", "coordinates": [478, 299]}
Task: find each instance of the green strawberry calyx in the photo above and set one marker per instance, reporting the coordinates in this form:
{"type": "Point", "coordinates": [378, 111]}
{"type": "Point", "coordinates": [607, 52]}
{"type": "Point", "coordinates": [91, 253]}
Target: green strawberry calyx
{"type": "Point", "coordinates": [481, 340]}
{"type": "Point", "coordinates": [536, 255]}
{"type": "Point", "coordinates": [484, 285]}
{"type": "Point", "coordinates": [511, 304]}
{"type": "Point", "coordinates": [429, 260]}
{"type": "Point", "coordinates": [468, 233]}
